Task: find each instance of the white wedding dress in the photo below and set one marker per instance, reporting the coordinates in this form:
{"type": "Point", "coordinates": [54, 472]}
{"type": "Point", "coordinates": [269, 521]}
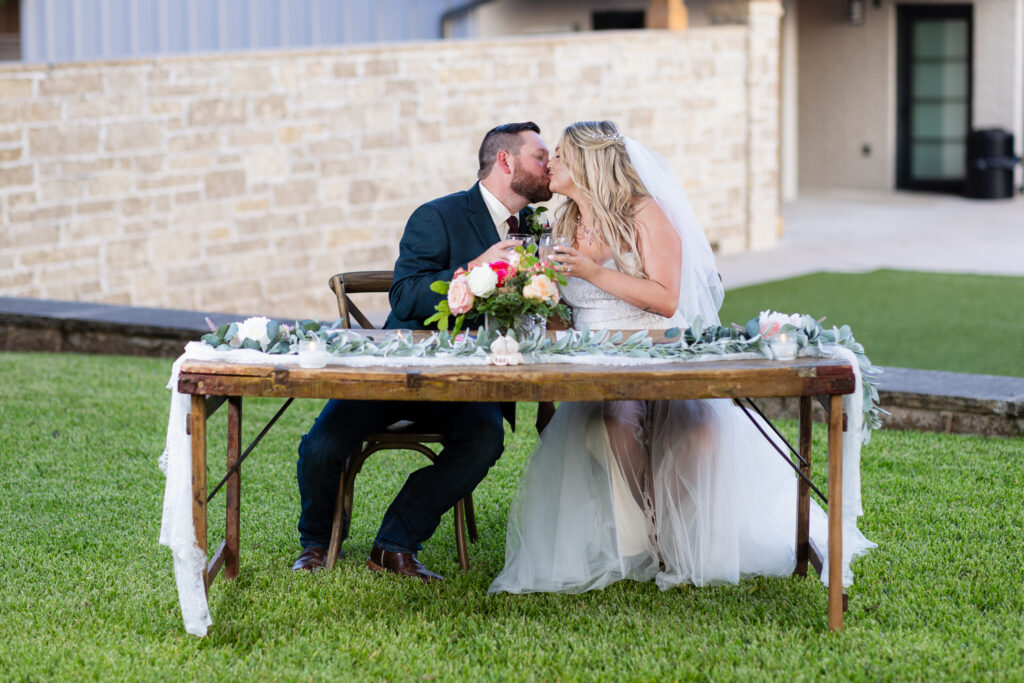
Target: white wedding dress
{"type": "Point", "coordinates": [675, 491]}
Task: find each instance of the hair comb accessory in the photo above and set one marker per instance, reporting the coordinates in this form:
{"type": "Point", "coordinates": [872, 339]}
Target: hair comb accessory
{"type": "Point", "coordinates": [607, 137]}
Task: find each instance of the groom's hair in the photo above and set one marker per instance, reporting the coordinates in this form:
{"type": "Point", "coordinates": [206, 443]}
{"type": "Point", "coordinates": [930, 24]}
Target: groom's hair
{"type": "Point", "coordinates": [506, 137]}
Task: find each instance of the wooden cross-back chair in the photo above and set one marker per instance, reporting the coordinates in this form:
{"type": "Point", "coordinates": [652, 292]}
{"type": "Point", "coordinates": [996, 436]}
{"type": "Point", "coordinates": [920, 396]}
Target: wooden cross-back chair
{"type": "Point", "coordinates": [403, 435]}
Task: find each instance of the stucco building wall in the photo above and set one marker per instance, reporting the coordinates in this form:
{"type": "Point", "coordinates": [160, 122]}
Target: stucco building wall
{"type": "Point", "coordinates": [241, 182]}
{"type": "Point", "coordinates": [848, 87]}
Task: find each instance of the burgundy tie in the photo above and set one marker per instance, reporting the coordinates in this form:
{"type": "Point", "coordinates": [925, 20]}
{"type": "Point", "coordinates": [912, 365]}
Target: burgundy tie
{"type": "Point", "coordinates": [513, 224]}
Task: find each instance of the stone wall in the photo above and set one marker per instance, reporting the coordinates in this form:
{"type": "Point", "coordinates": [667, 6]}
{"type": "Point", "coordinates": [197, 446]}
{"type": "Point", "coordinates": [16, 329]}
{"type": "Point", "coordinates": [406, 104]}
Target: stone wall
{"type": "Point", "coordinates": [242, 182]}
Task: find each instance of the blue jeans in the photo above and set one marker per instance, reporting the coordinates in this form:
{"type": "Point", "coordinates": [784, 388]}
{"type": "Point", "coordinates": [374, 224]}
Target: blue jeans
{"type": "Point", "coordinates": [473, 441]}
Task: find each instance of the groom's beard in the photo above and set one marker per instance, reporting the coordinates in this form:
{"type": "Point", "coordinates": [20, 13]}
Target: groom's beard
{"type": "Point", "coordinates": [534, 189]}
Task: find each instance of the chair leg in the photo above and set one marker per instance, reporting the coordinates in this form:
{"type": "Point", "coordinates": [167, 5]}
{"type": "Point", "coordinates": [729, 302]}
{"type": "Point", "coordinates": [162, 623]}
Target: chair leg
{"type": "Point", "coordinates": [471, 518]}
{"type": "Point", "coordinates": [343, 507]}
{"type": "Point", "coordinates": [460, 535]}
{"type": "Point", "coordinates": [336, 530]}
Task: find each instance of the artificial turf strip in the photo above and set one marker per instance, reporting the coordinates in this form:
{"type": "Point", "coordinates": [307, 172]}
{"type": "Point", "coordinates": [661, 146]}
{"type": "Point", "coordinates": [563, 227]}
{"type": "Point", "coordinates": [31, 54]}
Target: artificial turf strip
{"type": "Point", "coordinates": [930, 321]}
{"type": "Point", "coordinates": [86, 592]}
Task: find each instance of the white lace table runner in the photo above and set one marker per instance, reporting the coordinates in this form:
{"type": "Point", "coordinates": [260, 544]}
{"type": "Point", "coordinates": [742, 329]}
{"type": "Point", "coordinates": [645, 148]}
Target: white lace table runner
{"type": "Point", "coordinates": [177, 531]}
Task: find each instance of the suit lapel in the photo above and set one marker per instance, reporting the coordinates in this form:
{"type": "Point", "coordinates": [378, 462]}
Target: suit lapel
{"type": "Point", "coordinates": [479, 217]}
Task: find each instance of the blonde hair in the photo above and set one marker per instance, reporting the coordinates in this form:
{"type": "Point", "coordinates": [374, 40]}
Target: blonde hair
{"type": "Point", "coordinates": [596, 157]}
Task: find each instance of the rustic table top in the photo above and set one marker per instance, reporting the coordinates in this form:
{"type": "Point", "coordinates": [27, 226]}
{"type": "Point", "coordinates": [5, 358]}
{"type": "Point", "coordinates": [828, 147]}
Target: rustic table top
{"type": "Point", "coordinates": [809, 376]}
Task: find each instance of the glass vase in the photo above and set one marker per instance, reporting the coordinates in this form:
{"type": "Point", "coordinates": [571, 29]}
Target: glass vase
{"type": "Point", "coordinates": [522, 328]}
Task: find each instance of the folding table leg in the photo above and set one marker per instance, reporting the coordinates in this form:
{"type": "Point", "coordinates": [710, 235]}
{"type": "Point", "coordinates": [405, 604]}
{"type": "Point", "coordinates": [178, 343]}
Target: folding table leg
{"type": "Point", "coordinates": [835, 513]}
{"type": "Point", "coordinates": [803, 497]}
{"type": "Point", "coordinates": [197, 428]}
{"type": "Point", "coordinates": [233, 488]}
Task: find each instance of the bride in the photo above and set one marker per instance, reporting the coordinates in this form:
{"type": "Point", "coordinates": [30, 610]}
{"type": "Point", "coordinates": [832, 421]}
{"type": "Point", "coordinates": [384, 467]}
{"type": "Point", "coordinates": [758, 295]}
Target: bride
{"type": "Point", "coordinates": [675, 491]}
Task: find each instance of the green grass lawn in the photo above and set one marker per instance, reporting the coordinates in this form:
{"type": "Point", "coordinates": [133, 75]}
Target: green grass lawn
{"type": "Point", "coordinates": [87, 593]}
{"type": "Point", "coordinates": [932, 321]}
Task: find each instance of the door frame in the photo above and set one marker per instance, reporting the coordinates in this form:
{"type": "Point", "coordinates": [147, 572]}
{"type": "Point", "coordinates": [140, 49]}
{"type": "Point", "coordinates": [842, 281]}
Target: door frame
{"type": "Point", "coordinates": [906, 14]}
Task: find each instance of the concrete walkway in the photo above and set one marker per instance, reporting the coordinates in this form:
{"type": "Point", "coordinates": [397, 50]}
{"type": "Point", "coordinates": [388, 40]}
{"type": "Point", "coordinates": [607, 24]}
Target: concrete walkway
{"type": "Point", "coordinates": [856, 231]}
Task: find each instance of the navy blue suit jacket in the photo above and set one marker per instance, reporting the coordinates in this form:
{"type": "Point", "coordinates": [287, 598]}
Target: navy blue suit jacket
{"type": "Point", "coordinates": [440, 237]}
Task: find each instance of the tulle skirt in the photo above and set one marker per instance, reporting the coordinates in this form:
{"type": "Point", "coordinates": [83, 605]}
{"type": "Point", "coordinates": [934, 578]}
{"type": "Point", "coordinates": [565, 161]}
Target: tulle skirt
{"type": "Point", "coordinates": [675, 491]}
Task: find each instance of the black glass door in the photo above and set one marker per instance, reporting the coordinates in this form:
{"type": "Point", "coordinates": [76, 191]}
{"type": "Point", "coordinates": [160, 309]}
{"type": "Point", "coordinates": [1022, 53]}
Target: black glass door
{"type": "Point", "coordinates": [934, 96]}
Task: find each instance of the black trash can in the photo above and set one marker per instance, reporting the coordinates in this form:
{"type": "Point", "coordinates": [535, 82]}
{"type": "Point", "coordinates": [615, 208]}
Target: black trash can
{"type": "Point", "coordinates": [990, 163]}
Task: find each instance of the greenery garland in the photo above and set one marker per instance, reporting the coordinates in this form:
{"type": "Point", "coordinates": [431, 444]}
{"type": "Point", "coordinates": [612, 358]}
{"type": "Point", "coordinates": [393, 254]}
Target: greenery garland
{"type": "Point", "coordinates": [273, 337]}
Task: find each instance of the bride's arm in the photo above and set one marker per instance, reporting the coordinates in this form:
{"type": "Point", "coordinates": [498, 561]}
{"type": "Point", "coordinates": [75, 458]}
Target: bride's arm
{"type": "Point", "coordinates": [659, 245]}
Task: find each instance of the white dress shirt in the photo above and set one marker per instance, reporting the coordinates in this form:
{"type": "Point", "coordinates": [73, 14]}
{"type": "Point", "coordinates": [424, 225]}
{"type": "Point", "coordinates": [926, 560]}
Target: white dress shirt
{"type": "Point", "coordinates": [499, 212]}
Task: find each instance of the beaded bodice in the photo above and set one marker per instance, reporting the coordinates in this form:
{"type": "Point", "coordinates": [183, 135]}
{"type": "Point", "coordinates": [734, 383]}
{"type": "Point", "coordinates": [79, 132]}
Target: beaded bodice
{"type": "Point", "coordinates": [597, 309]}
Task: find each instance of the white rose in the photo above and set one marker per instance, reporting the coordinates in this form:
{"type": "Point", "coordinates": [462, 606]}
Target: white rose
{"type": "Point", "coordinates": [255, 329]}
{"type": "Point", "coordinates": [771, 321]}
{"type": "Point", "coordinates": [482, 281]}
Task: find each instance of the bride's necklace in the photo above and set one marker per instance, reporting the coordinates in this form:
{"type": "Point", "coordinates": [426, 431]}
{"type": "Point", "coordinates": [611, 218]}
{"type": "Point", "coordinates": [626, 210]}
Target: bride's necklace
{"type": "Point", "coordinates": [588, 234]}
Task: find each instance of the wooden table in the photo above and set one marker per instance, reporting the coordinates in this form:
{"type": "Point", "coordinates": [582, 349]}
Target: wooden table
{"type": "Point", "coordinates": [211, 383]}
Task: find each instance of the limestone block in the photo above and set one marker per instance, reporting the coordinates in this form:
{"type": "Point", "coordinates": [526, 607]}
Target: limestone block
{"type": "Point", "coordinates": [251, 137]}
{"type": "Point", "coordinates": [104, 107]}
{"type": "Point", "coordinates": [94, 207]}
{"type": "Point", "coordinates": [57, 140]}
{"type": "Point", "coordinates": [24, 236]}
{"type": "Point", "coordinates": [270, 108]}
{"type": "Point", "coordinates": [170, 181]}
{"type": "Point", "coordinates": [162, 107]}
{"type": "Point", "coordinates": [194, 161]}
{"type": "Point", "coordinates": [295, 193]}
{"type": "Point", "coordinates": [11, 281]}
{"type": "Point", "coordinates": [252, 205]}
{"type": "Point", "coordinates": [10, 154]}
{"type": "Point", "coordinates": [345, 69]}
{"type": "Point", "coordinates": [187, 197]}
{"type": "Point", "coordinates": [70, 83]}
{"type": "Point", "coordinates": [16, 175]}
{"type": "Point", "coordinates": [28, 112]}
{"type": "Point", "coordinates": [128, 253]}
{"type": "Point", "coordinates": [380, 66]}
{"type": "Point", "coordinates": [265, 164]}
{"type": "Point", "coordinates": [15, 88]}
{"type": "Point", "coordinates": [224, 183]}
{"type": "Point", "coordinates": [194, 142]}
{"type": "Point", "coordinates": [48, 214]}
{"type": "Point", "coordinates": [250, 77]}
{"type": "Point", "coordinates": [289, 134]}
{"type": "Point", "coordinates": [328, 215]}
{"type": "Point", "coordinates": [134, 135]}
{"type": "Point", "coordinates": [363, 192]}
{"type": "Point", "coordinates": [217, 112]}
{"type": "Point", "coordinates": [58, 255]}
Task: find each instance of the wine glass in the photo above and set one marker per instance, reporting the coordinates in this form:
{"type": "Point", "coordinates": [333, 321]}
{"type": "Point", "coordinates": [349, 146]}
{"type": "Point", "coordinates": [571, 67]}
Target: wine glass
{"type": "Point", "coordinates": [548, 242]}
{"type": "Point", "coordinates": [524, 237]}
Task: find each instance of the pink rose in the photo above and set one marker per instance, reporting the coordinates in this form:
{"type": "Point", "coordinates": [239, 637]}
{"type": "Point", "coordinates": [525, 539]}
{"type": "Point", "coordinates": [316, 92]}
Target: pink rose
{"type": "Point", "coordinates": [503, 270]}
{"type": "Point", "coordinates": [541, 287]}
{"type": "Point", "coordinates": [770, 328]}
{"type": "Point", "coordinates": [514, 257]}
{"type": "Point", "coordinates": [460, 299]}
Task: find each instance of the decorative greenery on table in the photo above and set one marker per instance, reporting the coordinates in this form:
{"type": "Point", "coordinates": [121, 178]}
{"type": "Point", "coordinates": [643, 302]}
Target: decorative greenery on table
{"type": "Point", "coordinates": [755, 337]}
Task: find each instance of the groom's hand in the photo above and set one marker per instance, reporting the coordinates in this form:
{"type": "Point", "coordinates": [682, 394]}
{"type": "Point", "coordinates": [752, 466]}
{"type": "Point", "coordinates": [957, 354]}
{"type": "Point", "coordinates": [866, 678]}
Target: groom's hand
{"type": "Point", "coordinates": [496, 252]}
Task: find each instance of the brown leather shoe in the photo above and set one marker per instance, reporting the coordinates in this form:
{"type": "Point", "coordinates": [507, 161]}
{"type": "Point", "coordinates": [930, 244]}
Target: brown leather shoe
{"type": "Point", "coordinates": [405, 564]}
{"type": "Point", "coordinates": [310, 560]}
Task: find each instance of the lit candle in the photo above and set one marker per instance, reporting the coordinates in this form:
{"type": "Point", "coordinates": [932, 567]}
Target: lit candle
{"type": "Point", "coordinates": [784, 348]}
{"type": "Point", "coordinates": [311, 354]}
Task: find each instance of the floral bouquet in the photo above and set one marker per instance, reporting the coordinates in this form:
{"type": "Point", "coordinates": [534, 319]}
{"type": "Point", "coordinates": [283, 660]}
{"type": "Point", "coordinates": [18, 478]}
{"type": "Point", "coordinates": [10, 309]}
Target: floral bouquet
{"type": "Point", "coordinates": [506, 292]}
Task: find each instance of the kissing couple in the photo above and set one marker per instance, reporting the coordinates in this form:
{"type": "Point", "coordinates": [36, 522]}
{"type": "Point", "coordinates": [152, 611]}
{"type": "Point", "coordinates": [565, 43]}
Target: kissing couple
{"type": "Point", "coordinates": [674, 491]}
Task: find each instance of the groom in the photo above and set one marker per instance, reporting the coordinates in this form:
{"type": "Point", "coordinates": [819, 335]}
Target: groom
{"type": "Point", "coordinates": [464, 229]}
